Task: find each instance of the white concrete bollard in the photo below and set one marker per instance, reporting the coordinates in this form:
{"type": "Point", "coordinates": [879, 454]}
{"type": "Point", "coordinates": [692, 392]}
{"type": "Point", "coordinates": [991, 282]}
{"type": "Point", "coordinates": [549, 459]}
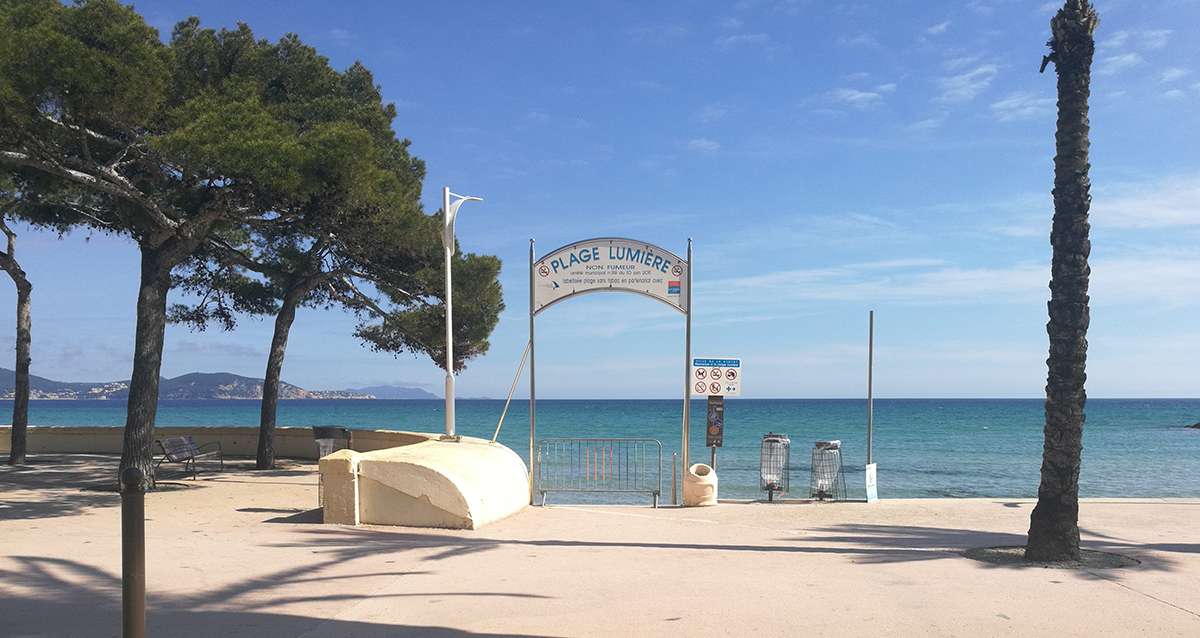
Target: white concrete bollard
{"type": "Point", "coordinates": [699, 486]}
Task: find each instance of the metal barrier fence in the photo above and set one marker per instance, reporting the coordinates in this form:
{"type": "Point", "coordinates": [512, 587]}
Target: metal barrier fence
{"type": "Point", "coordinates": [599, 465]}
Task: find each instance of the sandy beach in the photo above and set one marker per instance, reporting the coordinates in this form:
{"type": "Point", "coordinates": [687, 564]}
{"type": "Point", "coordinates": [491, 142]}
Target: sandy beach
{"type": "Point", "coordinates": [242, 554]}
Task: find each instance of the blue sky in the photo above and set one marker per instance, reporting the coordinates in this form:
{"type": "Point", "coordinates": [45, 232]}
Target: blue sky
{"type": "Point", "coordinates": [826, 157]}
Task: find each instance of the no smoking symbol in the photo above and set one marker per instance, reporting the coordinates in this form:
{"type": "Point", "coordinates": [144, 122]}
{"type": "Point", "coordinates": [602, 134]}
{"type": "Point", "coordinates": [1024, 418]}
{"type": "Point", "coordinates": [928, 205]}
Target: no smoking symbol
{"type": "Point", "coordinates": [543, 270]}
{"type": "Point", "coordinates": [700, 388]}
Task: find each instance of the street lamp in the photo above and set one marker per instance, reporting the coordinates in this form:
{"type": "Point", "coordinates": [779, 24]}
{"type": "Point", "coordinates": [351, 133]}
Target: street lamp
{"type": "Point", "coordinates": [449, 212]}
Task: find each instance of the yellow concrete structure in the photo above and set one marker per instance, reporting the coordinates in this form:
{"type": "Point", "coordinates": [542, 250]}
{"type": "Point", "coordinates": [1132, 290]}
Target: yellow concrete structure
{"type": "Point", "coordinates": [699, 486]}
{"type": "Point", "coordinates": [290, 442]}
{"type": "Point", "coordinates": [389, 478]}
{"type": "Point", "coordinates": [462, 484]}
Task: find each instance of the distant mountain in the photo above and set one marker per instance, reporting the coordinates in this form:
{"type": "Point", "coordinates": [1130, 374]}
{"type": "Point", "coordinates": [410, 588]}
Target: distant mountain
{"type": "Point", "coordinates": [395, 392]}
{"type": "Point", "coordinates": [194, 386]}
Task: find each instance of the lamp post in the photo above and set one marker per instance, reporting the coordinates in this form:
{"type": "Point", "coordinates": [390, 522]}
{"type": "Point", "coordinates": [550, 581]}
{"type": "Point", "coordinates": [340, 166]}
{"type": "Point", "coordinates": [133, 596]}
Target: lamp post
{"type": "Point", "coordinates": [450, 205]}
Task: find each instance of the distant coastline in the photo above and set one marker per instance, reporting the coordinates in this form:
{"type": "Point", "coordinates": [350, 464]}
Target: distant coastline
{"type": "Point", "coordinates": [195, 386]}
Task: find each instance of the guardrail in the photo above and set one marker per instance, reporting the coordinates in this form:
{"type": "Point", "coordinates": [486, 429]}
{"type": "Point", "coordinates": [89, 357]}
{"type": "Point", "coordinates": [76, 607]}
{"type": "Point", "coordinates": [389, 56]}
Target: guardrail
{"type": "Point", "coordinates": [599, 465]}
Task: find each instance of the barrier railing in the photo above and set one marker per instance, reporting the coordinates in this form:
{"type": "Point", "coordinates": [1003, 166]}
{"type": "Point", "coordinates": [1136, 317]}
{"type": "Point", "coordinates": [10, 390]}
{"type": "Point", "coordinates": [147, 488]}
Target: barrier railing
{"type": "Point", "coordinates": [599, 465]}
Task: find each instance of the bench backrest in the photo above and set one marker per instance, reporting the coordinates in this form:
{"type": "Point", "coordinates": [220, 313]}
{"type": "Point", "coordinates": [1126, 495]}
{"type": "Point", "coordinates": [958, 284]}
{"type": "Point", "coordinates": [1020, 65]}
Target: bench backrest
{"type": "Point", "coordinates": [179, 448]}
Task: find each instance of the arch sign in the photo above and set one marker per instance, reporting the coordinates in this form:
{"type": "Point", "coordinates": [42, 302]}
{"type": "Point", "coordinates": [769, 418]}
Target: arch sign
{"type": "Point", "coordinates": [609, 264]}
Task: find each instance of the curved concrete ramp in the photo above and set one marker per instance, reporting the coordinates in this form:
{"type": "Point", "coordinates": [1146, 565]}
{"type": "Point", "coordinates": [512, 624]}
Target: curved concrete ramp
{"type": "Point", "coordinates": [430, 483]}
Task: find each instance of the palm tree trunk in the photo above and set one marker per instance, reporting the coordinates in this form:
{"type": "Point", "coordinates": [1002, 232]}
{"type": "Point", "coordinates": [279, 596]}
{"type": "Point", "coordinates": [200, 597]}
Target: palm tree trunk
{"type": "Point", "coordinates": [270, 393]}
{"type": "Point", "coordinates": [1054, 524]}
{"type": "Point", "coordinates": [147, 361]}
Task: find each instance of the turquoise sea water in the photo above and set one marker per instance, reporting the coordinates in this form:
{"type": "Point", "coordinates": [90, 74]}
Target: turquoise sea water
{"type": "Point", "coordinates": [924, 447]}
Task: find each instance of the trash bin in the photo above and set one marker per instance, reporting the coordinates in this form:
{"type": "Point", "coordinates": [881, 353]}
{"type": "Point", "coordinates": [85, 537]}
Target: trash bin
{"type": "Point", "coordinates": [828, 482]}
{"type": "Point", "coordinates": [330, 438]}
{"type": "Point", "coordinates": [774, 464]}
{"type": "Point", "coordinates": [699, 486]}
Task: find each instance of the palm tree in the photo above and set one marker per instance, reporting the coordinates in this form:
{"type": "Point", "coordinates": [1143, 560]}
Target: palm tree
{"type": "Point", "coordinates": [1054, 525]}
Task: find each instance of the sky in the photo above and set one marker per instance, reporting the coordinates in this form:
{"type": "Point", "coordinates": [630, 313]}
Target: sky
{"type": "Point", "coordinates": [827, 159]}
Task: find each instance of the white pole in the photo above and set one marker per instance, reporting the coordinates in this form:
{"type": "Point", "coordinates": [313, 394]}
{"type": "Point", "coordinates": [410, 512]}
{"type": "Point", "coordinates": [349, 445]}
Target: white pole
{"type": "Point", "coordinates": [448, 250]}
{"type": "Point", "coordinates": [870, 380]}
{"type": "Point", "coordinates": [532, 379]}
{"type": "Point", "coordinates": [449, 212]}
{"type": "Point", "coordinates": [687, 365]}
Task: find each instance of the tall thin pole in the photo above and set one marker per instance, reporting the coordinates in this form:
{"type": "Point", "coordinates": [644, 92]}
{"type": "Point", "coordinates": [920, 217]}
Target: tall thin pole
{"type": "Point", "coordinates": [133, 553]}
{"type": "Point", "coordinates": [447, 249]}
{"type": "Point", "coordinates": [870, 380]}
{"type": "Point", "coordinates": [687, 362]}
{"type": "Point", "coordinates": [532, 379]}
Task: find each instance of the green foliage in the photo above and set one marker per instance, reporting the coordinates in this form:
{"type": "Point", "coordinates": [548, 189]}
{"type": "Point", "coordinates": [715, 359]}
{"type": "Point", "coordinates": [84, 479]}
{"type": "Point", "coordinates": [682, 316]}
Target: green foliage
{"type": "Point", "coordinates": [421, 328]}
{"type": "Point", "coordinates": [95, 63]}
{"type": "Point", "coordinates": [253, 168]}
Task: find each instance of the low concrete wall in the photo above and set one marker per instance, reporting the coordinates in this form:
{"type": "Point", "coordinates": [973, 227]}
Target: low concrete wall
{"type": "Point", "coordinates": [290, 442]}
{"type": "Point", "coordinates": [433, 483]}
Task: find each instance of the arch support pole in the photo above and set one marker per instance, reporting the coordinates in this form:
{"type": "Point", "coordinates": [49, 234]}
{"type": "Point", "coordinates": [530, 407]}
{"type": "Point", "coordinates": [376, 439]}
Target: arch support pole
{"type": "Point", "coordinates": [532, 380]}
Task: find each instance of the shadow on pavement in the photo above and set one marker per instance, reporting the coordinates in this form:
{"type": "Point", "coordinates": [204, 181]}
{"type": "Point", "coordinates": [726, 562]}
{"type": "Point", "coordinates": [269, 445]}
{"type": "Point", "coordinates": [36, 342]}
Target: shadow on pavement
{"type": "Point", "coordinates": [64, 598]}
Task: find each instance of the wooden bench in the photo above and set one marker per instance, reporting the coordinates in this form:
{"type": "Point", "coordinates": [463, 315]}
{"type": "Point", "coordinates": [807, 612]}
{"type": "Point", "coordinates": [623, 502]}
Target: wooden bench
{"type": "Point", "coordinates": [183, 449]}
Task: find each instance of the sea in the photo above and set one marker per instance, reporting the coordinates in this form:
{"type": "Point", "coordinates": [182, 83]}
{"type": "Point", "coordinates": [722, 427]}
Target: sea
{"type": "Point", "coordinates": [922, 447]}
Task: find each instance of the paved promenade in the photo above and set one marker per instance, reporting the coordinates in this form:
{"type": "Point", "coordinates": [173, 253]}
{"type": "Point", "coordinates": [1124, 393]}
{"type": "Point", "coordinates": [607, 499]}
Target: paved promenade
{"type": "Point", "coordinates": [242, 554]}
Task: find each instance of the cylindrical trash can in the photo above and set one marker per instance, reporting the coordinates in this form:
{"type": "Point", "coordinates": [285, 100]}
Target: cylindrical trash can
{"type": "Point", "coordinates": [699, 486]}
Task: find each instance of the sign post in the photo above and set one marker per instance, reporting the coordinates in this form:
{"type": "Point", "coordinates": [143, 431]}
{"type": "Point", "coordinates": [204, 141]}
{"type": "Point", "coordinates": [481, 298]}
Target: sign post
{"type": "Point", "coordinates": [609, 264]}
{"type": "Point", "coordinates": [870, 476]}
{"type": "Point", "coordinates": [714, 434]}
{"type": "Point", "coordinates": [717, 378]}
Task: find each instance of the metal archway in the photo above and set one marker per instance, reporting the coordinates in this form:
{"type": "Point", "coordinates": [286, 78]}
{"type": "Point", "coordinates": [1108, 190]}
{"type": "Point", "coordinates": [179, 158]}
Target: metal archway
{"type": "Point", "coordinates": [609, 264]}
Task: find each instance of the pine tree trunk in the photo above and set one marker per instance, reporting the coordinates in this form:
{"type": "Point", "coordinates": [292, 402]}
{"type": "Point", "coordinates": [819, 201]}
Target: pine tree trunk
{"type": "Point", "coordinates": [1054, 524]}
{"type": "Point", "coordinates": [20, 418]}
{"type": "Point", "coordinates": [270, 391]}
{"type": "Point", "coordinates": [147, 361]}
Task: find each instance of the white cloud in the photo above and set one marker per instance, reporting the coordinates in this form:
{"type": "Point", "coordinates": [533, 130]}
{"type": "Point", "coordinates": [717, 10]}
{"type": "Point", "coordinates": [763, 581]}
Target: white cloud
{"type": "Point", "coordinates": [927, 124]}
{"type": "Point", "coordinates": [1115, 41]}
{"type": "Point", "coordinates": [1144, 39]}
{"type": "Point", "coordinates": [744, 39]}
{"type": "Point", "coordinates": [1022, 106]}
{"type": "Point", "coordinates": [1173, 94]}
{"type": "Point", "coordinates": [858, 40]}
{"type": "Point", "coordinates": [1171, 74]}
{"type": "Point", "coordinates": [938, 28]}
{"type": "Point", "coordinates": [341, 36]}
{"type": "Point", "coordinates": [855, 98]}
{"type": "Point", "coordinates": [856, 77]}
{"type": "Point", "coordinates": [703, 145]}
{"type": "Point", "coordinates": [1164, 278]}
{"type": "Point", "coordinates": [1168, 202]}
{"type": "Point", "coordinates": [890, 87]}
{"type": "Point", "coordinates": [954, 64]}
{"type": "Point", "coordinates": [1114, 64]}
{"type": "Point", "coordinates": [1050, 7]}
{"type": "Point", "coordinates": [653, 32]}
{"type": "Point", "coordinates": [964, 87]}
{"type": "Point", "coordinates": [907, 281]}
{"type": "Point", "coordinates": [730, 23]}
{"type": "Point", "coordinates": [1155, 39]}
{"type": "Point", "coordinates": [712, 113]}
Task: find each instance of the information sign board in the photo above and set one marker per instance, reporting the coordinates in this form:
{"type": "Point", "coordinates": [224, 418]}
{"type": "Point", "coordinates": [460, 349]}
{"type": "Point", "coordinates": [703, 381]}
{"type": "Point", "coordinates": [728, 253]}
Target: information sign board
{"type": "Point", "coordinates": [716, 377]}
